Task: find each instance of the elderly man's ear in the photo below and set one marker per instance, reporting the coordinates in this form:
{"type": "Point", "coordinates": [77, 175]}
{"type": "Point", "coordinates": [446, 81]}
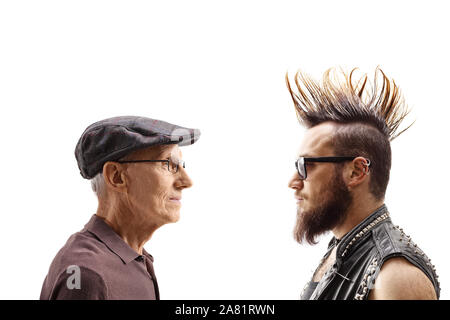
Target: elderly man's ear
{"type": "Point", "coordinates": [115, 177]}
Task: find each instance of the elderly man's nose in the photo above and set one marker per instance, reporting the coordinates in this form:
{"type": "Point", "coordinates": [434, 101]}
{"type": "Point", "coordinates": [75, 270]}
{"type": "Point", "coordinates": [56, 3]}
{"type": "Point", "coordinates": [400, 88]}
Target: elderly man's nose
{"type": "Point", "coordinates": [295, 182]}
{"type": "Point", "coordinates": [184, 181]}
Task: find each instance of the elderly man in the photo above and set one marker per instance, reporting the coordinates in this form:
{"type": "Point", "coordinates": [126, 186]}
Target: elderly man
{"type": "Point", "coordinates": [342, 173]}
{"type": "Point", "coordinates": [138, 174]}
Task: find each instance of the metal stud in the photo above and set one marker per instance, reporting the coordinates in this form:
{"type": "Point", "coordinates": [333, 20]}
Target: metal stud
{"type": "Point", "coordinates": [365, 230]}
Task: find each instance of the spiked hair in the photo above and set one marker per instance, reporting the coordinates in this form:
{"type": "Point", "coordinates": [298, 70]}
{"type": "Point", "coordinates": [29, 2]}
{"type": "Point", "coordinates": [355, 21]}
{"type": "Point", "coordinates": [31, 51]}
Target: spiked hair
{"type": "Point", "coordinates": [368, 118]}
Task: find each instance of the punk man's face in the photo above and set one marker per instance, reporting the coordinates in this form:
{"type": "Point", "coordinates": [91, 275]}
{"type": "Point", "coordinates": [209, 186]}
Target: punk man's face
{"type": "Point", "coordinates": [322, 198]}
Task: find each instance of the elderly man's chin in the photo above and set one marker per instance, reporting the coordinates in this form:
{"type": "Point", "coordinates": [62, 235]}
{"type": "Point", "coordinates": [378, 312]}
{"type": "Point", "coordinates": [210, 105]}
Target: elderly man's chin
{"type": "Point", "coordinates": [173, 212]}
{"type": "Point", "coordinates": [175, 217]}
{"type": "Point", "coordinates": [168, 214]}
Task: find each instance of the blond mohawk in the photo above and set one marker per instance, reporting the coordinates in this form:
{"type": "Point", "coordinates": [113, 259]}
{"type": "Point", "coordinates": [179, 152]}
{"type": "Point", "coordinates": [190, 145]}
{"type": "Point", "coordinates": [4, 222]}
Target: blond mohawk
{"type": "Point", "coordinates": [345, 100]}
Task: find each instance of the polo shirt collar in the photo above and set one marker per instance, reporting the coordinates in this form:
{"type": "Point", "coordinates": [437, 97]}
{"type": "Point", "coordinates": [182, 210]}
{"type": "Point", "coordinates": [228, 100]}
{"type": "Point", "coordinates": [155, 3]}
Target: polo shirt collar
{"type": "Point", "coordinates": [112, 240]}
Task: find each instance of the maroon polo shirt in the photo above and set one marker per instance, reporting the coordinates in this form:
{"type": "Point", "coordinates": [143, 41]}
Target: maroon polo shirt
{"type": "Point", "coordinates": [95, 263]}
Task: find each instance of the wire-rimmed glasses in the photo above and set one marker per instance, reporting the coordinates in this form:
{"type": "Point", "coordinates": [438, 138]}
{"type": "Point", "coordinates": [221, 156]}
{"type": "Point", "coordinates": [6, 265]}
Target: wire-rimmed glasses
{"type": "Point", "coordinates": [172, 166]}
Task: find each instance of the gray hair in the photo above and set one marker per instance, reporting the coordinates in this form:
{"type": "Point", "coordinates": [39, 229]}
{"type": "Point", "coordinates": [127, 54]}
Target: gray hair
{"type": "Point", "coordinates": [98, 185]}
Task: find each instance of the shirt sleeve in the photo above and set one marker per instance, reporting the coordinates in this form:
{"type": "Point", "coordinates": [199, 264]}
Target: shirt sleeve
{"type": "Point", "coordinates": [82, 284]}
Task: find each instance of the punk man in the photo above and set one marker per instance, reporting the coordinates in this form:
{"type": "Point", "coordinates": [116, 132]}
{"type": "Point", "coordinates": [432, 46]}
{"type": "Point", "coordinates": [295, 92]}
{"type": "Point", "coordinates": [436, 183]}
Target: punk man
{"type": "Point", "coordinates": [342, 172]}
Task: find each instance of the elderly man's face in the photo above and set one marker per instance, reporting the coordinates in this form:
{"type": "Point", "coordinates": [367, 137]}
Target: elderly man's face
{"type": "Point", "coordinates": [154, 193]}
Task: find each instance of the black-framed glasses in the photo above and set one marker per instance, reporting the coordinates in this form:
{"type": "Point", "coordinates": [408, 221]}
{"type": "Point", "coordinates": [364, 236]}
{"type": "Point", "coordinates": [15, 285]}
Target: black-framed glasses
{"type": "Point", "coordinates": [300, 164]}
{"type": "Point", "coordinates": [172, 166]}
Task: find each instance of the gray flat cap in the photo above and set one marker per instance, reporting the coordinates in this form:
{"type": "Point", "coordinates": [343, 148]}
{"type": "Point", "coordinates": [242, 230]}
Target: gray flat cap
{"type": "Point", "coordinates": [114, 138]}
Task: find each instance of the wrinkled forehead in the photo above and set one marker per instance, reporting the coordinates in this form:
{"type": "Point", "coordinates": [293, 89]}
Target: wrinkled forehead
{"type": "Point", "coordinates": [157, 152]}
{"type": "Point", "coordinates": [317, 141]}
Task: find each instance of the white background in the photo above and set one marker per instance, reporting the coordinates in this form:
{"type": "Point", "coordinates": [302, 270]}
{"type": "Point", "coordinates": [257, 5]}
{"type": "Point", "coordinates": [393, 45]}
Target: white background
{"type": "Point", "coordinates": [218, 66]}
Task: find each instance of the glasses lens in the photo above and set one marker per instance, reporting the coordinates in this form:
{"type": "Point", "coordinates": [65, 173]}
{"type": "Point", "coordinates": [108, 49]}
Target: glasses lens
{"type": "Point", "coordinates": [174, 164]}
{"type": "Point", "coordinates": [300, 164]}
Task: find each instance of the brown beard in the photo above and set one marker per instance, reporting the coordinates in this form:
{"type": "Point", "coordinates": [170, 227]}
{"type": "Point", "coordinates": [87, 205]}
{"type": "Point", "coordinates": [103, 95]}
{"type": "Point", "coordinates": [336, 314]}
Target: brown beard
{"type": "Point", "coordinates": [331, 212]}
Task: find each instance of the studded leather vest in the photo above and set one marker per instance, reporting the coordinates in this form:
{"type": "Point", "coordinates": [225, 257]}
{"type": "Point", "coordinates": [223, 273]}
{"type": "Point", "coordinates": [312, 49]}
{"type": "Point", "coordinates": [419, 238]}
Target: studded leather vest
{"type": "Point", "coordinates": [359, 257]}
